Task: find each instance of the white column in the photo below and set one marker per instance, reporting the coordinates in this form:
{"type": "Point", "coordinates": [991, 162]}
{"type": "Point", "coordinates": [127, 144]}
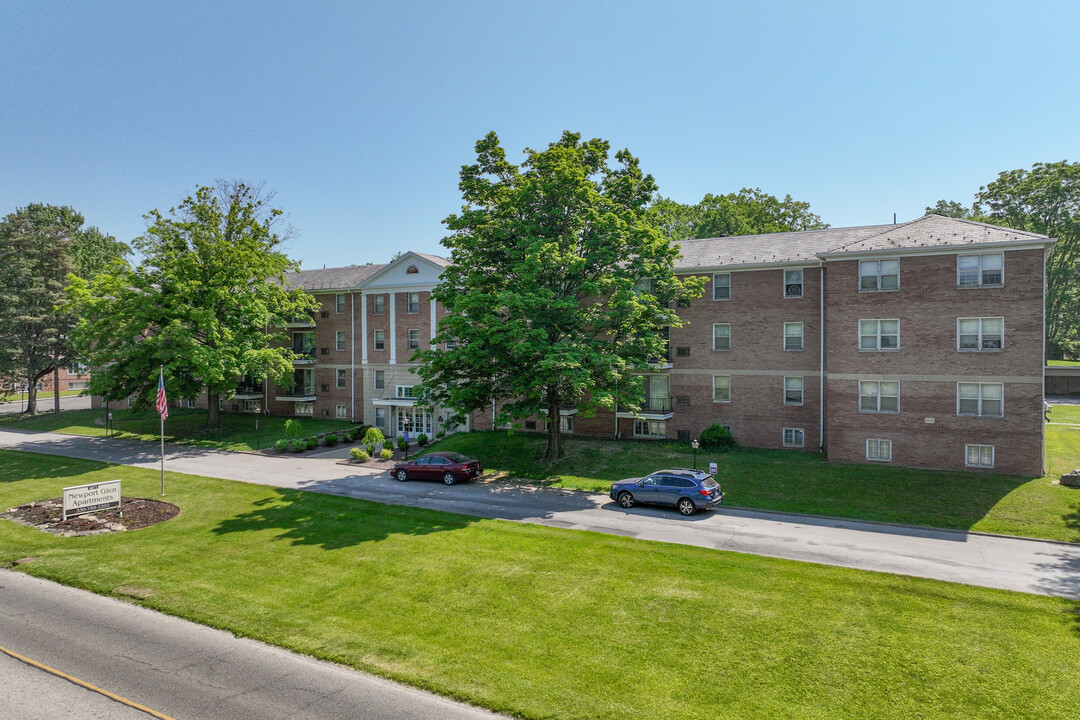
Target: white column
{"type": "Point", "coordinates": [434, 324]}
{"type": "Point", "coordinates": [363, 329]}
{"type": "Point", "coordinates": [393, 328]}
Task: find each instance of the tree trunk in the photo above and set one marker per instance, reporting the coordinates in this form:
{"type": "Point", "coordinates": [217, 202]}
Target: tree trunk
{"type": "Point", "coordinates": [554, 443]}
{"type": "Point", "coordinates": [31, 398]}
{"type": "Point", "coordinates": [213, 412]}
{"type": "Point", "coordinates": [56, 388]}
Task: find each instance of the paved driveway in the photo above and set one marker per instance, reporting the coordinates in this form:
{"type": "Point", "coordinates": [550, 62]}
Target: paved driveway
{"type": "Point", "coordinates": [1034, 566]}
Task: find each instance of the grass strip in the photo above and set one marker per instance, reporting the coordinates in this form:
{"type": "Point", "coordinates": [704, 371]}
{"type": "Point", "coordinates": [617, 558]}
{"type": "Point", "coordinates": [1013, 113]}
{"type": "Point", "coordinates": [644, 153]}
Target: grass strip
{"type": "Point", "coordinates": [550, 623]}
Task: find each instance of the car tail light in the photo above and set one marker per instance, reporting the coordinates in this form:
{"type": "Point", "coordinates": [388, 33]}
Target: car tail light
{"type": "Point", "coordinates": [704, 492]}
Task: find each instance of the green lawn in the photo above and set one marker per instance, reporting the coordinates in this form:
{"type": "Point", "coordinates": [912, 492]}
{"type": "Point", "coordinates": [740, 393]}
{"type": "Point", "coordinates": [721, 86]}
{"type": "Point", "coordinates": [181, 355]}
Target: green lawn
{"type": "Point", "coordinates": [1064, 414]}
{"type": "Point", "coordinates": [1063, 363]}
{"type": "Point", "coordinates": [549, 623]}
{"type": "Point", "coordinates": [183, 426]}
{"type": "Point", "coordinates": [44, 398]}
{"type": "Point", "coordinates": [806, 483]}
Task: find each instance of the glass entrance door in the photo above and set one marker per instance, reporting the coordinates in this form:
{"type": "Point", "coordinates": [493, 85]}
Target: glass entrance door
{"type": "Point", "coordinates": [419, 421]}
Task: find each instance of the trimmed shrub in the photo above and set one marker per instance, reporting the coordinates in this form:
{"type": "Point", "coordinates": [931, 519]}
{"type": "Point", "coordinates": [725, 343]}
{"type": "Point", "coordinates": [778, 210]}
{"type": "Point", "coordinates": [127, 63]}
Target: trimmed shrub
{"type": "Point", "coordinates": [440, 435]}
{"type": "Point", "coordinates": [281, 445]}
{"type": "Point", "coordinates": [297, 446]}
{"type": "Point", "coordinates": [292, 428]}
{"type": "Point", "coordinates": [373, 436]}
{"type": "Point", "coordinates": [717, 437]}
{"type": "Point", "coordinates": [371, 450]}
{"type": "Point", "coordinates": [312, 443]}
{"type": "Point", "coordinates": [421, 439]}
{"type": "Point", "coordinates": [358, 454]}
{"type": "Point", "coordinates": [388, 444]}
{"type": "Point", "coordinates": [330, 440]}
{"type": "Point", "coordinates": [386, 453]}
{"type": "Point", "coordinates": [349, 436]}
{"type": "Point", "coordinates": [401, 443]}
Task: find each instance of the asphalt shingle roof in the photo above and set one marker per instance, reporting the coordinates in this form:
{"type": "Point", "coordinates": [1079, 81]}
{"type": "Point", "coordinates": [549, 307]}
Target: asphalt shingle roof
{"type": "Point", "coordinates": [934, 231]}
{"type": "Point", "coordinates": [341, 278]}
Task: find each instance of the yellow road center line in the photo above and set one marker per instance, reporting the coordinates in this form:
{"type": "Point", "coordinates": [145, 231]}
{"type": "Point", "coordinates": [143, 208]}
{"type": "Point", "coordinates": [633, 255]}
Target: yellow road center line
{"type": "Point", "coordinates": [83, 683]}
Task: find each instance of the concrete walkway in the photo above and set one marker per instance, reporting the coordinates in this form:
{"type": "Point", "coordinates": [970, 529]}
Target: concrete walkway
{"type": "Point", "coordinates": [1033, 566]}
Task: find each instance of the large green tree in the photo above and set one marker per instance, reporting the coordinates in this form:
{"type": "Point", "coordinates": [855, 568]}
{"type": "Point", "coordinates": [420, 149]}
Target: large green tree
{"type": "Point", "coordinates": [560, 285]}
{"type": "Point", "coordinates": [40, 245]}
{"type": "Point", "coordinates": [747, 212]}
{"type": "Point", "coordinates": [1046, 199]}
{"type": "Point", "coordinates": [203, 302]}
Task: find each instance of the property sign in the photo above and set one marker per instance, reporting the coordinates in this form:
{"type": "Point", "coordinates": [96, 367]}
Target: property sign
{"type": "Point", "coordinates": [712, 468]}
{"type": "Point", "coordinates": [81, 499]}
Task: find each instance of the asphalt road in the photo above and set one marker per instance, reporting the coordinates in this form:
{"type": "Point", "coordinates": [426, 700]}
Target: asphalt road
{"type": "Point", "coordinates": [1032, 566]}
{"type": "Point", "coordinates": [175, 668]}
{"type": "Point", "coordinates": [45, 404]}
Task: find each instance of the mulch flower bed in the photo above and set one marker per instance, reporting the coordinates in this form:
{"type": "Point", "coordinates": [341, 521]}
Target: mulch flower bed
{"type": "Point", "coordinates": [133, 513]}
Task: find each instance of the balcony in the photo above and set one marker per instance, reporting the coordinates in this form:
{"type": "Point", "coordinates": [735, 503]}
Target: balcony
{"type": "Point", "coordinates": [653, 408]}
{"type": "Point", "coordinates": [304, 321]}
{"type": "Point", "coordinates": [248, 391]}
{"type": "Point", "coordinates": [295, 393]}
{"type": "Point", "coordinates": [307, 354]}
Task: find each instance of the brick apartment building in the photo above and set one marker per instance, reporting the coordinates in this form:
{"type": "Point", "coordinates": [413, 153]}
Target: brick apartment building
{"type": "Point", "coordinates": [918, 344]}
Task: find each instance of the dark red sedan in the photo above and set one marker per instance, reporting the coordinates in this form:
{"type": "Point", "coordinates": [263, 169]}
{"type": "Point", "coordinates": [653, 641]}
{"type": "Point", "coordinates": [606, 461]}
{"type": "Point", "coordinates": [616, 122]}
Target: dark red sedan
{"type": "Point", "coordinates": [450, 467]}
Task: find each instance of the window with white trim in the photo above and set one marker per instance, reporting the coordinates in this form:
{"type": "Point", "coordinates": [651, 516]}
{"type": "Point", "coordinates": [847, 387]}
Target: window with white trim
{"type": "Point", "coordinates": [414, 339]}
{"type": "Point", "coordinates": [880, 397]}
{"type": "Point", "coordinates": [979, 456]}
{"type": "Point", "coordinates": [721, 336]}
{"type": "Point", "coordinates": [793, 336]}
{"type": "Point", "coordinates": [339, 303]}
{"type": "Point", "coordinates": [879, 335]}
{"type": "Point", "coordinates": [980, 399]}
{"type": "Point", "coordinates": [977, 334]}
{"type": "Point", "coordinates": [380, 418]}
{"type": "Point", "coordinates": [793, 283]}
{"type": "Point", "coordinates": [378, 304]}
{"type": "Point", "coordinates": [380, 340]}
{"type": "Point", "coordinates": [793, 391]}
{"type": "Point", "coordinates": [987, 270]}
{"type": "Point", "coordinates": [879, 275]}
{"type": "Point", "coordinates": [721, 286]}
{"type": "Point", "coordinates": [414, 303]}
{"type": "Point", "coordinates": [252, 406]}
{"type": "Point", "coordinates": [566, 424]}
{"type": "Point", "coordinates": [880, 450]}
{"type": "Point", "coordinates": [794, 437]}
{"type": "Point", "coordinates": [341, 378]}
{"type": "Point", "coordinates": [405, 391]}
{"type": "Point", "coordinates": [339, 340]}
{"type": "Point", "coordinates": [721, 388]}
{"type": "Point", "coordinates": [650, 428]}
{"type": "Point", "coordinates": [341, 411]}
{"type": "Point", "coordinates": [379, 380]}
{"type": "Point", "coordinates": [304, 409]}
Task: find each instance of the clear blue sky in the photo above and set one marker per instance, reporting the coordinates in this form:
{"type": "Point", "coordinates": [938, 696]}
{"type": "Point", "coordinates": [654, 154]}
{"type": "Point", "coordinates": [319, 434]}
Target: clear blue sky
{"type": "Point", "coordinates": [361, 114]}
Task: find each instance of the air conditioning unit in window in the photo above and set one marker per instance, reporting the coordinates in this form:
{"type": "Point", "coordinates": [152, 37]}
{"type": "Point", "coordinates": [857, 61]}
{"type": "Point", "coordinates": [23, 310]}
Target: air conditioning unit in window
{"type": "Point", "coordinates": [325, 388]}
{"type": "Point", "coordinates": [793, 290]}
{"type": "Point", "coordinates": [324, 314]}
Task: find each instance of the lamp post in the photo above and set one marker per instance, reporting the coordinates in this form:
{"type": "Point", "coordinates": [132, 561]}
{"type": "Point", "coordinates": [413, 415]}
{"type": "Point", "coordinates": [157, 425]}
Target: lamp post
{"type": "Point", "coordinates": [405, 424]}
{"type": "Point", "coordinates": [694, 444]}
{"type": "Point", "coordinates": [258, 439]}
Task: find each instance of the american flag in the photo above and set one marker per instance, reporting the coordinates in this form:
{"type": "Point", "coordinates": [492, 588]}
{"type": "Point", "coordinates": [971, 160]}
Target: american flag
{"type": "Point", "coordinates": [161, 404]}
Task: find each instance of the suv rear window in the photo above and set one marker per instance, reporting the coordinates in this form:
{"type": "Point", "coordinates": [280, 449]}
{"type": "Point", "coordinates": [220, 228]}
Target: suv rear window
{"type": "Point", "coordinates": [708, 483]}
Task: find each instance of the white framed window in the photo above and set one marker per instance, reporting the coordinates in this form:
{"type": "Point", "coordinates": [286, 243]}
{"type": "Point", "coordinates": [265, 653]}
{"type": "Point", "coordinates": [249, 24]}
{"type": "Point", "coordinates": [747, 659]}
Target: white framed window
{"type": "Point", "coordinates": [880, 450]}
{"type": "Point", "coordinates": [341, 377]}
{"type": "Point", "coordinates": [793, 336]}
{"type": "Point", "coordinates": [721, 336]}
{"type": "Point", "coordinates": [339, 340]}
{"type": "Point", "coordinates": [794, 437]}
{"type": "Point", "coordinates": [980, 399]}
{"type": "Point", "coordinates": [979, 334]}
{"type": "Point", "coordinates": [793, 283]}
{"type": "Point", "coordinates": [379, 379]}
{"type": "Point", "coordinates": [566, 424]}
{"type": "Point", "coordinates": [721, 286]}
{"type": "Point", "coordinates": [650, 428]}
{"type": "Point", "coordinates": [380, 418]}
{"type": "Point", "coordinates": [378, 304]}
{"type": "Point", "coordinates": [341, 411]}
{"type": "Point", "coordinates": [979, 456]}
{"type": "Point", "coordinates": [879, 335]}
{"type": "Point", "coordinates": [721, 388]}
{"type": "Point", "coordinates": [450, 344]}
{"type": "Point", "coordinates": [78, 384]}
{"type": "Point", "coordinates": [379, 340]}
{"type": "Point", "coordinates": [986, 270]}
{"type": "Point", "coordinates": [405, 391]}
{"type": "Point", "coordinates": [877, 275]}
{"type": "Point", "coordinates": [252, 406]}
{"type": "Point", "coordinates": [414, 339]}
{"type": "Point", "coordinates": [879, 397]}
{"type": "Point", "coordinates": [793, 391]}
{"type": "Point", "coordinates": [305, 409]}
{"type": "Point", "coordinates": [414, 303]}
{"type": "Point", "coordinates": [339, 303]}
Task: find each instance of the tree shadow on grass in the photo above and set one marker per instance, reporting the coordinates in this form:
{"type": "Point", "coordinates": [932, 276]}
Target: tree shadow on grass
{"type": "Point", "coordinates": [332, 522]}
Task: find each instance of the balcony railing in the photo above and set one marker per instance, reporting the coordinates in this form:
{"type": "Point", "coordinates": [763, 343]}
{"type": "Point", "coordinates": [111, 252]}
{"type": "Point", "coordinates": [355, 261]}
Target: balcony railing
{"type": "Point", "coordinates": [249, 389]}
{"type": "Point", "coordinates": [296, 390]}
{"type": "Point", "coordinates": [656, 405]}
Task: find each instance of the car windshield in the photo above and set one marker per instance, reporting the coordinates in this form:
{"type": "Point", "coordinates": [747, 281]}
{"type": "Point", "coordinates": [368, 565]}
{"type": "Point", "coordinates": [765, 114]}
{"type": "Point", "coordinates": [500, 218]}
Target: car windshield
{"type": "Point", "coordinates": [457, 457]}
{"type": "Point", "coordinates": [708, 483]}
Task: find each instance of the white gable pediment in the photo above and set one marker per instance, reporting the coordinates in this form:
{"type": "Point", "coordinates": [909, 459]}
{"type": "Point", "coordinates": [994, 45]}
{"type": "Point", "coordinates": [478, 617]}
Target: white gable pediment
{"type": "Point", "coordinates": [409, 270]}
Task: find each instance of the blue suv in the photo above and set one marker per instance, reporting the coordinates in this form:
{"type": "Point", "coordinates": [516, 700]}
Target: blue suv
{"type": "Point", "coordinates": [687, 490]}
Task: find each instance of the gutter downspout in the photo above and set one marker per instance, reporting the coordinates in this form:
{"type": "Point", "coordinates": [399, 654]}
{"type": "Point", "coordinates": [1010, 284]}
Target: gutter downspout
{"type": "Point", "coordinates": [821, 359]}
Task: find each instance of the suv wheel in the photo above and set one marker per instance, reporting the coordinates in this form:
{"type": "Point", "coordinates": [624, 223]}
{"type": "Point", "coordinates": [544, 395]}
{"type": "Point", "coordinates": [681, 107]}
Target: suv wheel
{"type": "Point", "coordinates": [626, 499]}
{"type": "Point", "coordinates": [687, 506]}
